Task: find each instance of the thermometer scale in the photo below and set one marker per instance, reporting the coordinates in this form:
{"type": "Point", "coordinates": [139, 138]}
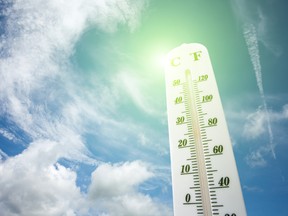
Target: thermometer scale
{"type": "Point", "coordinates": [204, 174]}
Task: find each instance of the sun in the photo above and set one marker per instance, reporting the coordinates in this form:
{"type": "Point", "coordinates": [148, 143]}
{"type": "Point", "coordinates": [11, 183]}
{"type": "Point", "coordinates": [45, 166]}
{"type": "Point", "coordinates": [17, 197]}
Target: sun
{"type": "Point", "coordinates": [160, 59]}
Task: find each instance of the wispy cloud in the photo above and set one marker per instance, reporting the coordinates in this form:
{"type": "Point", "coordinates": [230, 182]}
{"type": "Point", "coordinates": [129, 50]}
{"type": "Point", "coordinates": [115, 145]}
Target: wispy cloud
{"type": "Point", "coordinates": [7, 134]}
{"type": "Point", "coordinates": [252, 12]}
{"type": "Point", "coordinates": [42, 94]}
{"type": "Point", "coordinates": [39, 38]}
{"type": "Point", "coordinates": [137, 88]}
{"type": "Point", "coordinates": [252, 189]}
{"type": "Point", "coordinates": [255, 124]}
{"type": "Point", "coordinates": [251, 126]}
{"type": "Point", "coordinates": [254, 22]}
{"type": "Point", "coordinates": [3, 155]}
{"type": "Point", "coordinates": [252, 45]}
{"type": "Point", "coordinates": [257, 158]}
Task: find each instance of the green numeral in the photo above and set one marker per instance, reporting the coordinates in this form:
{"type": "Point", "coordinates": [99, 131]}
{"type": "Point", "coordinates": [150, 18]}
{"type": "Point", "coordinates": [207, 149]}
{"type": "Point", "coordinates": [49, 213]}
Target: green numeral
{"type": "Point", "coordinates": [178, 100]}
{"type": "Point", "coordinates": [207, 98]}
{"type": "Point", "coordinates": [203, 78]}
{"type": "Point", "coordinates": [176, 82]}
{"type": "Point", "coordinates": [212, 121]}
{"type": "Point", "coordinates": [182, 143]}
{"type": "Point", "coordinates": [180, 120]}
{"type": "Point", "coordinates": [218, 149]}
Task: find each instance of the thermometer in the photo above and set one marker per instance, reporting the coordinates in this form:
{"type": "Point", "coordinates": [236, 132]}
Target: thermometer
{"type": "Point", "coordinates": [204, 174]}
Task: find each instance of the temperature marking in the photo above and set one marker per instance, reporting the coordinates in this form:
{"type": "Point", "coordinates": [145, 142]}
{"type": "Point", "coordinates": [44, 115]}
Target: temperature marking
{"type": "Point", "coordinates": [191, 106]}
{"type": "Point", "coordinates": [204, 174]}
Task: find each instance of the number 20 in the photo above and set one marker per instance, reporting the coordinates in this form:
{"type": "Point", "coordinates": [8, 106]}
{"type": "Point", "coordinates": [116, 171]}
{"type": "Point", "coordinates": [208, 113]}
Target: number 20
{"type": "Point", "coordinates": [182, 143]}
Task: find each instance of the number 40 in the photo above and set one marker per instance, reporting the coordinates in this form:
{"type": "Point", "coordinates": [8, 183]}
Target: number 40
{"type": "Point", "coordinates": [224, 181]}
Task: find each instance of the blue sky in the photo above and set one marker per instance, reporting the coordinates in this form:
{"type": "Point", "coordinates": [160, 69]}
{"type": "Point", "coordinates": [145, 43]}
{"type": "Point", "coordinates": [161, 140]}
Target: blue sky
{"type": "Point", "coordinates": [83, 125]}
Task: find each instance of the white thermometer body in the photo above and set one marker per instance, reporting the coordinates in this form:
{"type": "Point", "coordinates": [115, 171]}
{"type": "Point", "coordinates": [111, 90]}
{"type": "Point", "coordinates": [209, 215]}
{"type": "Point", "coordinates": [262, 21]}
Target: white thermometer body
{"type": "Point", "coordinates": [204, 174]}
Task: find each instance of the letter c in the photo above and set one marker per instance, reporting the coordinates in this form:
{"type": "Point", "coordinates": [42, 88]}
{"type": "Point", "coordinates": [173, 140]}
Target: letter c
{"type": "Point", "coordinates": [175, 61]}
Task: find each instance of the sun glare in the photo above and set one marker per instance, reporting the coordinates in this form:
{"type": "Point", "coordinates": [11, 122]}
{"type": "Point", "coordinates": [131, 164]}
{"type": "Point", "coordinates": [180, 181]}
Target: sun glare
{"type": "Point", "coordinates": [160, 60]}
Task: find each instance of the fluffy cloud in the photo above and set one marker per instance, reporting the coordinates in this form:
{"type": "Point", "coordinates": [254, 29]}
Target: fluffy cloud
{"type": "Point", "coordinates": [33, 183]}
{"type": "Point", "coordinates": [114, 189]}
{"type": "Point", "coordinates": [114, 180]}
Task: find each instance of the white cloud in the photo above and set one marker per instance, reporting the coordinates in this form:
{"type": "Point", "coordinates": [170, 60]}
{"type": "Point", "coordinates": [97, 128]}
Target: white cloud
{"type": "Point", "coordinates": [143, 139]}
{"type": "Point", "coordinates": [252, 45]}
{"type": "Point", "coordinates": [3, 155]}
{"type": "Point", "coordinates": [252, 12]}
{"type": "Point", "coordinates": [7, 134]}
{"type": "Point", "coordinates": [280, 116]}
{"type": "Point", "coordinates": [136, 88]}
{"type": "Point", "coordinates": [251, 39]}
{"type": "Point", "coordinates": [114, 189]}
{"type": "Point", "coordinates": [115, 180]}
{"type": "Point", "coordinates": [256, 128]}
{"type": "Point", "coordinates": [39, 91]}
{"type": "Point", "coordinates": [252, 126]}
{"type": "Point", "coordinates": [41, 95]}
{"type": "Point", "coordinates": [258, 158]}
{"type": "Point", "coordinates": [285, 111]}
{"type": "Point", "coordinates": [32, 183]}
{"type": "Point", "coordinates": [40, 36]}
{"type": "Point", "coordinates": [256, 122]}
{"type": "Point", "coordinates": [105, 13]}
{"type": "Point", "coordinates": [252, 189]}
{"type": "Point", "coordinates": [255, 125]}
{"type": "Point", "coordinates": [134, 205]}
